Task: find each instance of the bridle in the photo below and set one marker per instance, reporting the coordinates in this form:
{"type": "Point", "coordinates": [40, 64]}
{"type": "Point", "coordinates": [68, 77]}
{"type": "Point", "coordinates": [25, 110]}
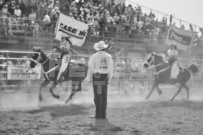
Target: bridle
{"type": "Point", "coordinates": [39, 58]}
{"type": "Point", "coordinates": [151, 63]}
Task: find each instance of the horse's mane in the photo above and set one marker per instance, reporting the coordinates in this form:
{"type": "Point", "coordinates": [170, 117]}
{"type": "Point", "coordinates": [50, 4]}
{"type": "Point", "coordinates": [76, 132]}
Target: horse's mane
{"type": "Point", "coordinates": [43, 53]}
{"type": "Point", "coordinates": [159, 55]}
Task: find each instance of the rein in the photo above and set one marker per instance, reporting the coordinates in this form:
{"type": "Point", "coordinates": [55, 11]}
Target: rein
{"type": "Point", "coordinates": [155, 66]}
{"type": "Point", "coordinates": [44, 61]}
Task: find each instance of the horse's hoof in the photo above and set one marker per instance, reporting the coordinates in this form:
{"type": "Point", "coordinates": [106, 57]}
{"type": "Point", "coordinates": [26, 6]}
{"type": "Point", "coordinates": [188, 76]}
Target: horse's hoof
{"type": "Point", "coordinates": [171, 100]}
{"type": "Point", "coordinates": [56, 96]}
{"type": "Point", "coordinates": [40, 99]}
{"type": "Point", "coordinates": [67, 101]}
{"type": "Point", "coordinates": [50, 90]}
{"type": "Point", "coordinates": [160, 92]}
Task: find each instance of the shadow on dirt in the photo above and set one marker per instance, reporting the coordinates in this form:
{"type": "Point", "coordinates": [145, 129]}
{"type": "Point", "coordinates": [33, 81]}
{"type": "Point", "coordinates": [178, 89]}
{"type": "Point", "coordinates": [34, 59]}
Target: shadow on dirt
{"type": "Point", "coordinates": [102, 126]}
{"type": "Point", "coordinates": [60, 111]}
{"type": "Point", "coordinates": [187, 104]}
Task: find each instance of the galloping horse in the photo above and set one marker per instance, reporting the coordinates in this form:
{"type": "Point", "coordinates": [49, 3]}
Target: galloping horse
{"type": "Point", "coordinates": [163, 72]}
{"type": "Point", "coordinates": [75, 72]}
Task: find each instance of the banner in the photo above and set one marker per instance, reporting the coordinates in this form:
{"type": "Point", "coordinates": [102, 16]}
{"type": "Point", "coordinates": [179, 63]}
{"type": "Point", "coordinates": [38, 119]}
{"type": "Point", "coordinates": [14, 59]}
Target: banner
{"type": "Point", "coordinates": [76, 30]}
{"type": "Point", "coordinates": [183, 39]}
{"type": "Point", "coordinates": [23, 73]}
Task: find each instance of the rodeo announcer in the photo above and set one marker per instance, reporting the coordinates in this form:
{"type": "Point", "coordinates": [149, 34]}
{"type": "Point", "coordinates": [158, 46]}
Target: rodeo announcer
{"type": "Point", "coordinates": [100, 74]}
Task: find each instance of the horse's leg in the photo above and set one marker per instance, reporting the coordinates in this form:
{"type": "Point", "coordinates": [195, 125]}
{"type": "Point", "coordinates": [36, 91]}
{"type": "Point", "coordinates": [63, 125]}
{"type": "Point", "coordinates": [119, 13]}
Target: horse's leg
{"type": "Point", "coordinates": [45, 83]}
{"type": "Point", "coordinates": [153, 87]}
{"type": "Point", "coordinates": [188, 90]}
{"type": "Point", "coordinates": [75, 88]}
{"type": "Point", "coordinates": [66, 88]}
{"type": "Point", "coordinates": [51, 90]}
{"type": "Point", "coordinates": [158, 89]}
{"type": "Point", "coordinates": [180, 87]}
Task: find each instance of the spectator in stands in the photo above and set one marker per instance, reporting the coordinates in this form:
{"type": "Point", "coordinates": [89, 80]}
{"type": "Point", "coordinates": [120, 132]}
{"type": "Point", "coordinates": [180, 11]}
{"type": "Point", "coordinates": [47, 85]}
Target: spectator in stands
{"type": "Point", "coordinates": [36, 30]}
{"type": "Point", "coordinates": [201, 33]}
{"type": "Point", "coordinates": [171, 19]}
{"type": "Point", "coordinates": [46, 22]}
{"type": "Point", "coordinates": [140, 26]}
{"type": "Point", "coordinates": [116, 18]}
{"type": "Point", "coordinates": [17, 12]}
{"type": "Point", "coordinates": [25, 62]}
{"type": "Point", "coordinates": [10, 25]}
{"type": "Point", "coordinates": [1, 4]}
{"type": "Point", "coordinates": [70, 15]}
{"type": "Point", "coordinates": [4, 11]}
{"type": "Point", "coordinates": [50, 6]}
{"type": "Point", "coordinates": [54, 13]}
{"type": "Point", "coordinates": [57, 4]}
{"type": "Point", "coordinates": [24, 9]}
{"type": "Point", "coordinates": [191, 28]}
{"type": "Point", "coordinates": [12, 6]}
{"type": "Point", "coordinates": [95, 26]}
{"type": "Point", "coordinates": [73, 9]}
{"type": "Point", "coordinates": [33, 15]}
{"type": "Point", "coordinates": [183, 26]}
{"type": "Point", "coordinates": [109, 19]}
{"type": "Point", "coordinates": [102, 25]}
{"type": "Point", "coordinates": [43, 10]}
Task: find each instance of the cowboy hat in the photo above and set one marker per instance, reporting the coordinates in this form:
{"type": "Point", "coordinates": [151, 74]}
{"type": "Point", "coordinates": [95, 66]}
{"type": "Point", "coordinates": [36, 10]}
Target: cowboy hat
{"type": "Point", "coordinates": [172, 45]}
{"type": "Point", "coordinates": [64, 36]}
{"type": "Point", "coordinates": [100, 46]}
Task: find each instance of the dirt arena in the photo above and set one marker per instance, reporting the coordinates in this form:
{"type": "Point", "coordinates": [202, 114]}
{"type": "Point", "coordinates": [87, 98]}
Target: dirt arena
{"type": "Point", "coordinates": [127, 114]}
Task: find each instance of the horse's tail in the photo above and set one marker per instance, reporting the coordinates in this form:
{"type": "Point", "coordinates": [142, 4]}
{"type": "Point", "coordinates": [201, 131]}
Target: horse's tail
{"type": "Point", "coordinates": [193, 68]}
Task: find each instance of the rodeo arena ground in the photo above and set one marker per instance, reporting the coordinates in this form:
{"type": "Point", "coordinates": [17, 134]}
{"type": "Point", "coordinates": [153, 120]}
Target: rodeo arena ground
{"type": "Point", "coordinates": [142, 99]}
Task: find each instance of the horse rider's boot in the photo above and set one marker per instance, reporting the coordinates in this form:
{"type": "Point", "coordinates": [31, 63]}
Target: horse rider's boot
{"type": "Point", "coordinates": [64, 65]}
{"type": "Point", "coordinates": [59, 77]}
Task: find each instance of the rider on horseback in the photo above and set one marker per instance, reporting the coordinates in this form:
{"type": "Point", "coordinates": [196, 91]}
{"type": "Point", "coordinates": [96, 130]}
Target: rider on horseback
{"type": "Point", "coordinates": [172, 60]}
{"type": "Point", "coordinates": [64, 48]}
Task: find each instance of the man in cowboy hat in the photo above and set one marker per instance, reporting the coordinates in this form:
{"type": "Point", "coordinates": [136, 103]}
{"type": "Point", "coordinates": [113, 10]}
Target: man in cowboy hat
{"type": "Point", "coordinates": [64, 48]}
{"type": "Point", "coordinates": [100, 73]}
{"type": "Point", "coordinates": [172, 60]}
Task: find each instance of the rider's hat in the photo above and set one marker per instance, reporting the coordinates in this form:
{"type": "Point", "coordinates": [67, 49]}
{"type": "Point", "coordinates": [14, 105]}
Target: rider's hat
{"type": "Point", "coordinates": [100, 46]}
{"type": "Point", "coordinates": [64, 36]}
{"type": "Point", "coordinates": [172, 45]}
{"type": "Point", "coordinates": [36, 48]}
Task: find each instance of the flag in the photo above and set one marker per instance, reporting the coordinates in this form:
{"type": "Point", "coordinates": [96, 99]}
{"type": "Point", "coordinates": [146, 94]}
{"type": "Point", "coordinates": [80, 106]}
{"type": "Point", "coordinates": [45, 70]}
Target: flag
{"type": "Point", "coordinates": [183, 39]}
{"type": "Point", "coordinates": [76, 30]}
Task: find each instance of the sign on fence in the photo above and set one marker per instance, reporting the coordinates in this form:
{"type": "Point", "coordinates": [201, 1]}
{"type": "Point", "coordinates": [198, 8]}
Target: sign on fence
{"type": "Point", "coordinates": [23, 73]}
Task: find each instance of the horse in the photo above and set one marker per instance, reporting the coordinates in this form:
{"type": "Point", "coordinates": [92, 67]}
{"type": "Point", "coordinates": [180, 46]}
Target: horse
{"type": "Point", "coordinates": [75, 72]}
{"type": "Point", "coordinates": [163, 72]}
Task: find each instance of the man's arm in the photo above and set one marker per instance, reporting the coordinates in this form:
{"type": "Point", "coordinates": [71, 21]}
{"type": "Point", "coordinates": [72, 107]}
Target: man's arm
{"type": "Point", "coordinates": [90, 72]}
{"type": "Point", "coordinates": [110, 69]}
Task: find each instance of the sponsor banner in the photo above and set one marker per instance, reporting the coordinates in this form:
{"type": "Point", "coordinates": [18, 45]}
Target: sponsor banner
{"type": "Point", "coordinates": [76, 30]}
{"type": "Point", "coordinates": [183, 39]}
{"type": "Point", "coordinates": [23, 73]}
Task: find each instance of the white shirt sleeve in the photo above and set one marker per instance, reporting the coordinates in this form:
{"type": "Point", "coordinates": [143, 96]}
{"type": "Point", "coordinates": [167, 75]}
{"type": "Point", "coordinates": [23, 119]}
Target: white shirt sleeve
{"type": "Point", "coordinates": [110, 68]}
{"type": "Point", "coordinates": [90, 70]}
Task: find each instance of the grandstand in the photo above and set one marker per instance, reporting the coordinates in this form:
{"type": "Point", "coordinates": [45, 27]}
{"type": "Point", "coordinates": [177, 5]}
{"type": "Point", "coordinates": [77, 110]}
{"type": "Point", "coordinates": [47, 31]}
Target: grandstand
{"type": "Point", "coordinates": [124, 27]}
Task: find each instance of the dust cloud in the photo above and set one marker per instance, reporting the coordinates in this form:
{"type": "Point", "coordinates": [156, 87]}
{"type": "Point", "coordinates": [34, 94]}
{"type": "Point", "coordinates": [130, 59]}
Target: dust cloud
{"type": "Point", "coordinates": [18, 99]}
{"type": "Point", "coordinates": [25, 99]}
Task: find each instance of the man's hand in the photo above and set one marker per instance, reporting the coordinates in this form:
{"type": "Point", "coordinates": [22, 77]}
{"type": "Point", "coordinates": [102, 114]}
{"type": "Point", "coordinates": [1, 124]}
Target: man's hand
{"type": "Point", "coordinates": [88, 79]}
{"type": "Point", "coordinates": [109, 81]}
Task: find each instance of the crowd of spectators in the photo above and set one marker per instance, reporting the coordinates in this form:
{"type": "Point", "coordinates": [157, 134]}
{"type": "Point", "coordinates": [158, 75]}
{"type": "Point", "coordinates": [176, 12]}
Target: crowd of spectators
{"type": "Point", "coordinates": [103, 19]}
